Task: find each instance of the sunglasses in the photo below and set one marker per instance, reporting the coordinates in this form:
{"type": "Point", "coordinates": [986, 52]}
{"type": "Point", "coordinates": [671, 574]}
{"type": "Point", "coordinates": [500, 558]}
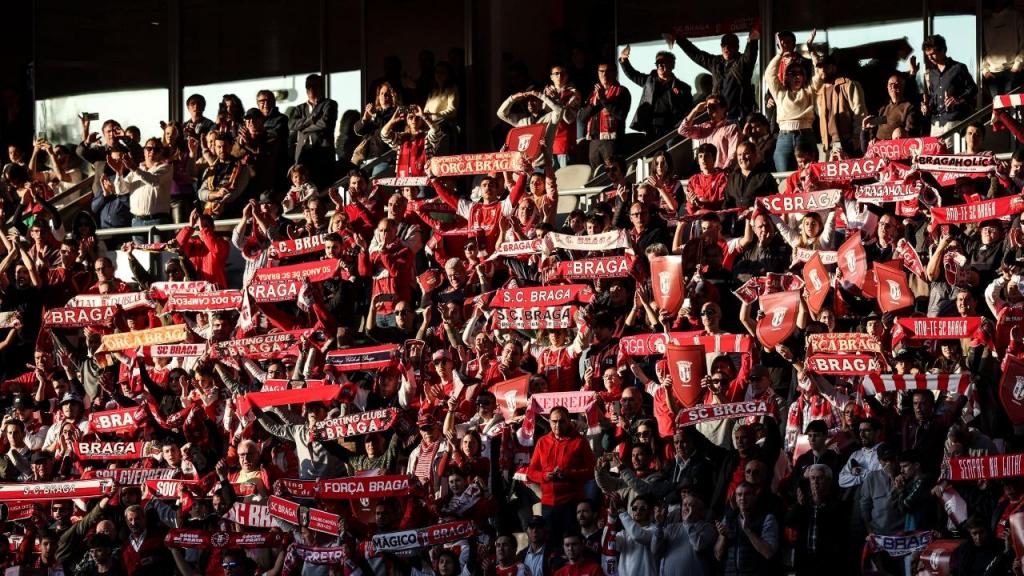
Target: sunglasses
{"type": "Point", "coordinates": [229, 565]}
{"type": "Point", "coordinates": [708, 313]}
{"type": "Point", "coordinates": [150, 148]}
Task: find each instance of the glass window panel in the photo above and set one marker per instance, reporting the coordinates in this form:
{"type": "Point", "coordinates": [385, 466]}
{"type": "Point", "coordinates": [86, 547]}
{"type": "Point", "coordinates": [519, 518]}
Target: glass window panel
{"type": "Point", "coordinates": [58, 117]}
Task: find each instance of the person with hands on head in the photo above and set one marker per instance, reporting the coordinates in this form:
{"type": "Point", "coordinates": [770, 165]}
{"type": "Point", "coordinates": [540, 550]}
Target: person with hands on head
{"type": "Point", "coordinates": [209, 252]}
{"type": "Point", "coordinates": [536, 104]}
{"type": "Point", "coordinates": [716, 130]}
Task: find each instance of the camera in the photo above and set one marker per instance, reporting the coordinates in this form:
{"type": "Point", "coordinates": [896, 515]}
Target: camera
{"type": "Point", "coordinates": [90, 116]}
{"type": "Point", "coordinates": [121, 144]}
{"type": "Point", "coordinates": [402, 111]}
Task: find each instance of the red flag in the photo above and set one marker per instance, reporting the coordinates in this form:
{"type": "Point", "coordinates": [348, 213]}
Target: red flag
{"type": "Point", "coordinates": [1011, 389]}
{"type": "Point", "coordinates": [817, 282]}
{"type": "Point", "coordinates": [853, 262]}
{"type": "Point", "coordinates": [667, 282]}
{"type": "Point", "coordinates": [779, 319]}
{"type": "Point", "coordinates": [892, 291]}
{"type": "Point", "coordinates": [512, 395]}
{"type": "Point", "coordinates": [687, 367]}
{"type": "Point", "coordinates": [527, 139]}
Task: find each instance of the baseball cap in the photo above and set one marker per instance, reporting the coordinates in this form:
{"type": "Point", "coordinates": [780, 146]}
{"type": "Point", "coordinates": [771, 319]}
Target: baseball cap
{"type": "Point", "coordinates": [71, 397]}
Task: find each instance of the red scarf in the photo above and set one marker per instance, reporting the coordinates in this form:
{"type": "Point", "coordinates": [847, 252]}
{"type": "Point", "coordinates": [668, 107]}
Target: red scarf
{"type": "Point", "coordinates": [412, 157]}
{"type": "Point", "coordinates": [607, 125]}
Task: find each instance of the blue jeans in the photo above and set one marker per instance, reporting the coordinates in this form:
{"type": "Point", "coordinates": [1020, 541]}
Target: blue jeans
{"type": "Point", "coordinates": [785, 148]}
{"type": "Point", "coordinates": [141, 239]}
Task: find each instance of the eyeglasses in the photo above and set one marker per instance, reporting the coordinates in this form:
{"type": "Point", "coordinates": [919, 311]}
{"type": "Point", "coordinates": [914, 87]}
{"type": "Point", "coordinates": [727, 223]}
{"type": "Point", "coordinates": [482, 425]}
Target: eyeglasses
{"type": "Point", "coordinates": [716, 380]}
{"type": "Point", "coordinates": [644, 434]}
{"type": "Point", "coordinates": [229, 565]}
{"type": "Point", "coordinates": [661, 62]}
{"type": "Point", "coordinates": [639, 508]}
{"type": "Point", "coordinates": [150, 148]}
{"type": "Point", "coordinates": [439, 361]}
{"type": "Point", "coordinates": [708, 312]}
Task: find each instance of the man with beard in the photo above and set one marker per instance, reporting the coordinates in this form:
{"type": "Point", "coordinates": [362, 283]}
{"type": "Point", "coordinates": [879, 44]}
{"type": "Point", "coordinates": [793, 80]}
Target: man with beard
{"type": "Point", "coordinates": [761, 250]}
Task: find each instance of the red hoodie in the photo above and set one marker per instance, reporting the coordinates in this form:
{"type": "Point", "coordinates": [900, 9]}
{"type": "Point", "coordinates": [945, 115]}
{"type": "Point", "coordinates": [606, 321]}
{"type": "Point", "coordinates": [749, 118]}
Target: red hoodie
{"type": "Point", "coordinates": [573, 456]}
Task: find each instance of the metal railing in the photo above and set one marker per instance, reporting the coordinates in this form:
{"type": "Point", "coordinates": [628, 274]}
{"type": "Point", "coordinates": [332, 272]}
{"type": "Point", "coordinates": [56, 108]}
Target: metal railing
{"type": "Point", "coordinates": [601, 177]}
{"type": "Point", "coordinates": [983, 112]}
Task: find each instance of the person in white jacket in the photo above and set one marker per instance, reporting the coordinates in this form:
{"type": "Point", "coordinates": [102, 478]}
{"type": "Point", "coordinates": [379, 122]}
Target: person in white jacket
{"type": "Point", "coordinates": [794, 104]}
{"type": "Point", "coordinates": [636, 556]}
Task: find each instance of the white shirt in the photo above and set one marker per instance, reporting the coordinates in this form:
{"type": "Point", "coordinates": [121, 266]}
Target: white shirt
{"type": "Point", "coordinates": [867, 459]}
{"type": "Point", "coordinates": [150, 189]}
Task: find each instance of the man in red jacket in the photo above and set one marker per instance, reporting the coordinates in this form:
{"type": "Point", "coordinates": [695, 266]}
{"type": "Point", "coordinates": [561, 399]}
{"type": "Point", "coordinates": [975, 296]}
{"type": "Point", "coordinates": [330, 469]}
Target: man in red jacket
{"type": "Point", "coordinates": [562, 464]}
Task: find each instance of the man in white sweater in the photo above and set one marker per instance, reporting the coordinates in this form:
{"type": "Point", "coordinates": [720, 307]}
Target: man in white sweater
{"type": "Point", "coordinates": [636, 555]}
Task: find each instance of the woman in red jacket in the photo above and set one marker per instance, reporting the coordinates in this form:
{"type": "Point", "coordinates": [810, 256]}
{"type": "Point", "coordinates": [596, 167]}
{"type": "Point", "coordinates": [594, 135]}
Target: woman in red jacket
{"type": "Point", "coordinates": [562, 464]}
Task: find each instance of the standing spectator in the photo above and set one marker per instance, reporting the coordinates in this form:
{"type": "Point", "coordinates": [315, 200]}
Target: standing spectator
{"type": "Point", "coordinates": [312, 124]}
{"type": "Point", "coordinates": [794, 106]}
{"type": "Point", "coordinates": [564, 141]}
{"type": "Point", "coordinates": [683, 548]}
{"type": "Point", "coordinates": [274, 121]}
{"type": "Point", "coordinates": [840, 108]}
{"type": "Point", "coordinates": [877, 502]}
{"type": "Point", "coordinates": [197, 125]}
{"type": "Point", "coordinates": [562, 462]}
{"type": "Point", "coordinates": [375, 116]}
{"type": "Point", "coordinates": [864, 460]}
{"type": "Point", "coordinates": [818, 521]}
{"type": "Point", "coordinates": [636, 555]}
{"type": "Point", "coordinates": [747, 537]}
{"type": "Point", "coordinates": [731, 71]}
{"type": "Point", "coordinates": [224, 181]}
{"type": "Point", "coordinates": [536, 104]}
{"type": "Point", "coordinates": [950, 91]}
{"type": "Point", "coordinates": [605, 115]}
{"type": "Point", "coordinates": [717, 130]}
{"type": "Point", "coordinates": [208, 253]}
{"type": "Point", "coordinates": [148, 186]}
{"type": "Point", "coordinates": [665, 99]}
{"type": "Point", "coordinates": [1003, 54]}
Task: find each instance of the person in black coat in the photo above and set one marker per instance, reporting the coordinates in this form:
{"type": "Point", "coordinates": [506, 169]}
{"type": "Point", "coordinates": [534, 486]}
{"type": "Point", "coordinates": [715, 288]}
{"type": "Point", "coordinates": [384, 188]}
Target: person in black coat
{"type": "Point", "coordinates": [665, 100]}
{"type": "Point", "coordinates": [819, 523]}
{"type": "Point", "coordinates": [312, 124]}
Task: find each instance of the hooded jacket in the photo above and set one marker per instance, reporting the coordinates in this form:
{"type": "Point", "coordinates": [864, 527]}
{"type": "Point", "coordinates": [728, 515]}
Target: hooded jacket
{"type": "Point", "coordinates": [572, 455]}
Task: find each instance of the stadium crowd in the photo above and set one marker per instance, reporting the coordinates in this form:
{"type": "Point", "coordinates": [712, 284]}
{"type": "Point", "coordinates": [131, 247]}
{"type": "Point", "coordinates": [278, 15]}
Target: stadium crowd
{"type": "Point", "coordinates": [430, 371]}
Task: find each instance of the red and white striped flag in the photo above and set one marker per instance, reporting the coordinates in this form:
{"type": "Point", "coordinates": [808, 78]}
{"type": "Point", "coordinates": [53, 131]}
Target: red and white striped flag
{"type": "Point", "coordinates": [878, 383]}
